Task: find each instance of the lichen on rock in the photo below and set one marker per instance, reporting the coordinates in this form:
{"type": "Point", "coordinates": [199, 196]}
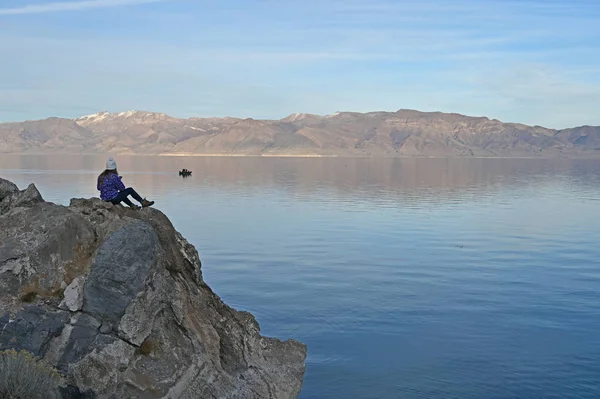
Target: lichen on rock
{"type": "Point", "coordinates": [116, 301]}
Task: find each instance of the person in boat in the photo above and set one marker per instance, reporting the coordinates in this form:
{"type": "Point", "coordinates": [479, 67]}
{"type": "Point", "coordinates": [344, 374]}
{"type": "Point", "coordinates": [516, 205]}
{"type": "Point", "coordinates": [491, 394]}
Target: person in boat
{"type": "Point", "coordinates": [113, 190]}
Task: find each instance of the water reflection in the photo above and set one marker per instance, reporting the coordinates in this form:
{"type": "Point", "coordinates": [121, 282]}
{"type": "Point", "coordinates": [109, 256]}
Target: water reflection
{"type": "Point", "coordinates": [403, 180]}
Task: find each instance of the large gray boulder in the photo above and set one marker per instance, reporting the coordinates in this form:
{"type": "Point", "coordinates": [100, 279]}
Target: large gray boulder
{"type": "Point", "coordinates": [7, 188]}
{"type": "Point", "coordinates": [114, 298]}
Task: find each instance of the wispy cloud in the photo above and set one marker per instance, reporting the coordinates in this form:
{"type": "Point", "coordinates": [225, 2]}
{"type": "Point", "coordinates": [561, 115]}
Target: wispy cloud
{"type": "Point", "coordinates": [71, 6]}
{"type": "Point", "coordinates": [532, 61]}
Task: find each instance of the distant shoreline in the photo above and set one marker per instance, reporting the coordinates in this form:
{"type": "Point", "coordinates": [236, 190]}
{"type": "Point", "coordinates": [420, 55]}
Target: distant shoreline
{"type": "Point", "coordinates": [254, 156]}
{"type": "Point", "coordinates": [342, 156]}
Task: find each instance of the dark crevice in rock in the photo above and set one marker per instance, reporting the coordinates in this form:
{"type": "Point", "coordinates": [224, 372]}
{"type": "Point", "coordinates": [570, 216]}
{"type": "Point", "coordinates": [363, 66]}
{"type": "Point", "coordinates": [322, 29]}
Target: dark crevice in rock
{"type": "Point", "coordinates": [5, 261]}
{"type": "Point", "coordinates": [134, 345]}
{"type": "Point", "coordinates": [73, 392]}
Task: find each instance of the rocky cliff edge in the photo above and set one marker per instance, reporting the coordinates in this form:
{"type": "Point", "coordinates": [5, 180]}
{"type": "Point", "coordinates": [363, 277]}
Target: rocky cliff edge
{"type": "Point", "coordinates": [114, 298]}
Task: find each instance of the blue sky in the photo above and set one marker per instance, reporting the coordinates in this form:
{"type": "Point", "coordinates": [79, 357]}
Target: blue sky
{"type": "Point", "coordinates": [529, 61]}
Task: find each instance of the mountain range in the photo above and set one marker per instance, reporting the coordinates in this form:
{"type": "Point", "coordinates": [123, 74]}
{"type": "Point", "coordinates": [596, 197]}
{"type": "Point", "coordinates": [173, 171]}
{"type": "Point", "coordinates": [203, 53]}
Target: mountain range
{"type": "Point", "coordinates": [374, 134]}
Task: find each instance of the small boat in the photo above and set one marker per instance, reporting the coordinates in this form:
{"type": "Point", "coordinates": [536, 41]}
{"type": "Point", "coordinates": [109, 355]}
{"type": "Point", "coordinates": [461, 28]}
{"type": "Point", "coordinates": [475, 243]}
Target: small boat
{"type": "Point", "coordinates": [185, 172]}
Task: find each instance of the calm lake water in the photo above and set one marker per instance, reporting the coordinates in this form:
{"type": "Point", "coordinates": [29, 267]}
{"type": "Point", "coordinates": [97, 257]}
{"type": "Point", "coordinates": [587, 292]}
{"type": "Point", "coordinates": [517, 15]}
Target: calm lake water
{"type": "Point", "coordinates": [406, 278]}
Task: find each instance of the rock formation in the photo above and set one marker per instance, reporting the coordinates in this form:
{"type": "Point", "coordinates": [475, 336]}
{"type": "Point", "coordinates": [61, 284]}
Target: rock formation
{"type": "Point", "coordinates": [114, 298]}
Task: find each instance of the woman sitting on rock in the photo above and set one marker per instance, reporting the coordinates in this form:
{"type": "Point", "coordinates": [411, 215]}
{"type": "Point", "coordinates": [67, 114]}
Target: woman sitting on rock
{"type": "Point", "coordinates": [113, 190]}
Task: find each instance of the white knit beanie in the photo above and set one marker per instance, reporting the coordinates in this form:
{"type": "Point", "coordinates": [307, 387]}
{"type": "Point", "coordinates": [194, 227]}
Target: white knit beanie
{"type": "Point", "coordinates": [111, 164]}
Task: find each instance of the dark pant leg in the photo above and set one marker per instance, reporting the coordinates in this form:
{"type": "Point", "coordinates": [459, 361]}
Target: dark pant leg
{"type": "Point", "coordinates": [134, 194]}
{"type": "Point", "coordinates": [122, 197]}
